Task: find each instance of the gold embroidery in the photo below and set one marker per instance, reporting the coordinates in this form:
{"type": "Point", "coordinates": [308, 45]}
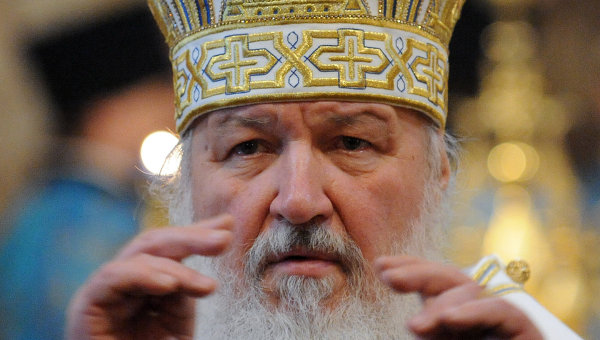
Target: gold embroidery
{"type": "Point", "coordinates": [249, 99]}
{"type": "Point", "coordinates": [279, 50]}
{"type": "Point", "coordinates": [351, 58]}
{"type": "Point", "coordinates": [485, 273]}
{"type": "Point", "coordinates": [182, 15]}
{"type": "Point", "coordinates": [432, 74]}
{"type": "Point", "coordinates": [506, 289]}
{"type": "Point", "coordinates": [356, 59]}
{"type": "Point", "coordinates": [172, 18]}
{"type": "Point", "coordinates": [412, 10]}
{"type": "Point", "coordinates": [195, 15]}
{"type": "Point", "coordinates": [273, 9]}
{"type": "Point", "coordinates": [184, 81]}
{"type": "Point", "coordinates": [238, 63]}
{"type": "Point", "coordinates": [319, 19]}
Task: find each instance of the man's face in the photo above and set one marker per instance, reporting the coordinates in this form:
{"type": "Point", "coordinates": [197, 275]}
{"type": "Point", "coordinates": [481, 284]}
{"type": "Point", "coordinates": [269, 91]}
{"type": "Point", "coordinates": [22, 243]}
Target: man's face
{"type": "Point", "coordinates": [357, 169]}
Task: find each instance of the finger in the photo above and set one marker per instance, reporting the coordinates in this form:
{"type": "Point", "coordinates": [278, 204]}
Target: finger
{"type": "Point", "coordinates": [175, 312]}
{"type": "Point", "coordinates": [146, 275]}
{"type": "Point", "coordinates": [176, 306]}
{"type": "Point", "coordinates": [496, 314]}
{"type": "Point", "coordinates": [387, 262]}
{"type": "Point", "coordinates": [209, 237]}
{"type": "Point", "coordinates": [424, 277]}
{"type": "Point", "coordinates": [223, 221]}
{"type": "Point", "coordinates": [436, 307]}
{"type": "Point", "coordinates": [188, 280]}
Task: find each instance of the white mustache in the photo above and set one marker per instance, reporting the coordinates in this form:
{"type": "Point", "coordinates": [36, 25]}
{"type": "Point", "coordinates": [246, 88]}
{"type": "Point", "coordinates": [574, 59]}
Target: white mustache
{"type": "Point", "coordinates": [283, 237]}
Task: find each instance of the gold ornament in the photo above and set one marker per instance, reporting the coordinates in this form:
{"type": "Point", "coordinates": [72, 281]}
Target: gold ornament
{"type": "Point", "coordinates": [518, 271]}
{"type": "Point", "coordinates": [228, 53]}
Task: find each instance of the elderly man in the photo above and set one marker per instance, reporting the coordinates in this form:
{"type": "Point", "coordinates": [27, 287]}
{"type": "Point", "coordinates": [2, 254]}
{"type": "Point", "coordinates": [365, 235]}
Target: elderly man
{"type": "Point", "coordinates": [313, 185]}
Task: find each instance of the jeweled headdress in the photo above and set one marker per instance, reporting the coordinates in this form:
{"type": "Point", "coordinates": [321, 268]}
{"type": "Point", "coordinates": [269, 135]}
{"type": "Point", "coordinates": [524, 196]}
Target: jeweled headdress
{"type": "Point", "coordinates": [228, 53]}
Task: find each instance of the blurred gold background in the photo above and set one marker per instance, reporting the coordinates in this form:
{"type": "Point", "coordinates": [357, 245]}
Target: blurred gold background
{"type": "Point", "coordinates": [529, 180]}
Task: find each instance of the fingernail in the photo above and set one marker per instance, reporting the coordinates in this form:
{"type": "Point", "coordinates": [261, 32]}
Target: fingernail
{"type": "Point", "coordinates": [379, 263]}
{"type": "Point", "coordinates": [206, 282]}
{"type": "Point", "coordinates": [385, 275]}
{"type": "Point", "coordinates": [389, 274]}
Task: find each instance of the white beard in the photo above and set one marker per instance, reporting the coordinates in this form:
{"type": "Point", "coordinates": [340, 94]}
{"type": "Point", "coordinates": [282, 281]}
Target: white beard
{"type": "Point", "coordinates": [230, 315]}
{"type": "Point", "coordinates": [368, 310]}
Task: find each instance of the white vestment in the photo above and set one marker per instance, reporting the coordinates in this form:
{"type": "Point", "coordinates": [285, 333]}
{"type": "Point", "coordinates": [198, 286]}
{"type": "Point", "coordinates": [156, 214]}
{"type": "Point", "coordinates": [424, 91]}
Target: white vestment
{"type": "Point", "coordinates": [491, 273]}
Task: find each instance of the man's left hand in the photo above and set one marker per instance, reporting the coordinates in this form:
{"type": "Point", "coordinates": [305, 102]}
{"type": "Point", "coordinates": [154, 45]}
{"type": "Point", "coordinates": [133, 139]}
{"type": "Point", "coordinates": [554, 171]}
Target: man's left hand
{"type": "Point", "coordinates": [454, 306]}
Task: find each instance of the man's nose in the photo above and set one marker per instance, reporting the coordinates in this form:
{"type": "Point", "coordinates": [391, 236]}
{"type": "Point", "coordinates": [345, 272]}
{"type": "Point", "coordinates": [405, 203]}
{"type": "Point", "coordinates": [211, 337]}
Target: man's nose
{"type": "Point", "coordinates": [301, 179]}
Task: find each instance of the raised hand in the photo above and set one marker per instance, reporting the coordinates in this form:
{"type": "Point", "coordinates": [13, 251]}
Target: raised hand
{"type": "Point", "coordinates": [146, 292]}
{"type": "Point", "coordinates": [455, 307]}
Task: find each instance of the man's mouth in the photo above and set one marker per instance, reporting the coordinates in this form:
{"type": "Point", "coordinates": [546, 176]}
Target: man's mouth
{"type": "Point", "coordinates": [301, 254]}
{"type": "Point", "coordinates": [304, 262]}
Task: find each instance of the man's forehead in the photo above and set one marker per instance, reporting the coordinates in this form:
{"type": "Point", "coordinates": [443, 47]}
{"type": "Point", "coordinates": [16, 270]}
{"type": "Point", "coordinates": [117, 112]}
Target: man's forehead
{"type": "Point", "coordinates": [267, 113]}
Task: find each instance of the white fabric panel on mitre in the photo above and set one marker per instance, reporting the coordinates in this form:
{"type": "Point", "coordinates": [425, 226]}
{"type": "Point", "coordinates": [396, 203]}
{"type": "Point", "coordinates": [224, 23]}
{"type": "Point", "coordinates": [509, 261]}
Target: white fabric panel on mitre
{"type": "Point", "coordinates": [490, 271]}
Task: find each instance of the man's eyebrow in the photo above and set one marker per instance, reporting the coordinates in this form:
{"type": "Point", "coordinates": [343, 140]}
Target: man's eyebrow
{"type": "Point", "coordinates": [358, 118]}
{"type": "Point", "coordinates": [258, 122]}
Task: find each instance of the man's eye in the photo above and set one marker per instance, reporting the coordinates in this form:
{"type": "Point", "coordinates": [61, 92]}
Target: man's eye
{"type": "Point", "coordinates": [246, 148]}
{"type": "Point", "coordinates": [353, 143]}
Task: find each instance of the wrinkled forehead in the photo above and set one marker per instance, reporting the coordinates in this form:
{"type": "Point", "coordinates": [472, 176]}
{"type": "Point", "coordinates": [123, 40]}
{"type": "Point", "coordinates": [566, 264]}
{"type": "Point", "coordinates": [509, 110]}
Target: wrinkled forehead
{"type": "Point", "coordinates": [314, 112]}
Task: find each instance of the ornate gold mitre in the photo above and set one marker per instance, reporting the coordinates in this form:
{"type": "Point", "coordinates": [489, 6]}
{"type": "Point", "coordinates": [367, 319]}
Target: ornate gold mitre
{"type": "Point", "coordinates": [228, 53]}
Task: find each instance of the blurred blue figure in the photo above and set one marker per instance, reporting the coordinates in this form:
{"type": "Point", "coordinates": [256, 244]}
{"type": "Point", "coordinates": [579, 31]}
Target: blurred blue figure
{"type": "Point", "coordinates": [111, 86]}
{"type": "Point", "coordinates": [63, 234]}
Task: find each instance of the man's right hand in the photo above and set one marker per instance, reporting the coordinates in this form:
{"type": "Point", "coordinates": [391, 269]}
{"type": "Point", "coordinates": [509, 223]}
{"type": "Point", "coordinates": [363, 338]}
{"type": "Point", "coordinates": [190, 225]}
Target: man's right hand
{"type": "Point", "coordinates": [146, 292]}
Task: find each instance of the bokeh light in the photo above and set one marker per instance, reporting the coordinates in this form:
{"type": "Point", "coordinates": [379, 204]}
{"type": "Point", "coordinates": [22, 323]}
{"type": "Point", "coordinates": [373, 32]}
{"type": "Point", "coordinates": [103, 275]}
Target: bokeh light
{"type": "Point", "coordinates": [155, 153]}
{"type": "Point", "coordinates": [513, 161]}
